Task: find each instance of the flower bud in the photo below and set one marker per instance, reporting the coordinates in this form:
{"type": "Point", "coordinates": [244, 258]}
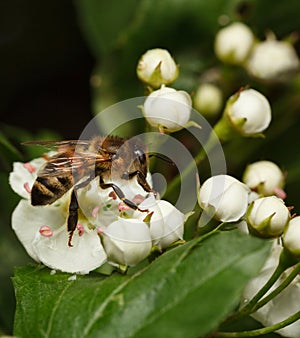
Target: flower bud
{"type": "Point", "coordinates": [265, 177]}
{"type": "Point", "coordinates": [273, 60]}
{"type": "Point", "coordinates": [267, 216]}
{"type": "Point", "coordinates": [249, 112]}
{"type": "Point", "coordinates": [291, 237]}
{"type": "Point", "coordinates": [157, 67]}
{"type": "Point", "coordinates": [168, 109]}
{"type": "Point", "coordinates": [224, 197]}
{"type": "Point", "coordinates": [126, 241]}
{"type": "Point", "coordinates": [166, 222]}
{"type": "Point", "coordinates": [208, 99]}
{"type": "Point", "coordinates": [281, 306]}
{"type": "Point", "coordinates": [233, 43]}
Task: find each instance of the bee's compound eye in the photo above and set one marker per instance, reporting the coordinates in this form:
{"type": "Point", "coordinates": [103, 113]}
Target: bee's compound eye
{"type": "Point", "coordinates": [140, 155]}
{"type": "Point", "coordinates": [125, 175]}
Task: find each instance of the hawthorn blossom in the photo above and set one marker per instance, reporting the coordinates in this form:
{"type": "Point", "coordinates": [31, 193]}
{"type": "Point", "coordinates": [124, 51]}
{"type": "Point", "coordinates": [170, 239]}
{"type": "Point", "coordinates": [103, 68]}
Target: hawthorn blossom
{"type": "Point", "coordinates": [168, 109]}
{"type": "Point", "coordinates": [126, 241]}
{"type": "Point", "coordinates": [266, 178]}
{"type": "Point", "coordinates": [233, 43]}
{"type": "Point", "coordinates": [284, 64]}
{"type": "Point", "coordinates": [224, 197]}
{"type": "Point", "coordinates": [249, 112]}
{"type": "Point", "coordinates": [208, 99]}
{"type": "Point", "coordinates": [267, 216]}
{"type": "Point", "coordinates": [157, 67]}
{"type": "Point", "coordinates": [285, 304]}
{"type": "Point", "coordinates": [43, 229]}
{"type": "Point", "coordinates": [166, 222]}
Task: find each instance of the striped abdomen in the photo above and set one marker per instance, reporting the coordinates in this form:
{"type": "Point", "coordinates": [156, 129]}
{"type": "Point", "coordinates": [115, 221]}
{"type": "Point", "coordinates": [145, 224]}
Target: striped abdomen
{"type": "Point", "coordinates": [48, 189]}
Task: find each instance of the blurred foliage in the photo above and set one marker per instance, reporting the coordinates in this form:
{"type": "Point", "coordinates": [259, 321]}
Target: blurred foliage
{"type": "Point", "coordinates": [117, 34]}
{"type": "Point", "coordinates": [187, 30]}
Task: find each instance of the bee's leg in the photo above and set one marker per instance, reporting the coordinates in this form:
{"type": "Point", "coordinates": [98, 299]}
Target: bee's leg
{"type": "Point", "coordinates": [73, 210]}
{"type": "Point", "coordinates": [73, 216]}
{"type": "Point", "coordinates": [120, 194]}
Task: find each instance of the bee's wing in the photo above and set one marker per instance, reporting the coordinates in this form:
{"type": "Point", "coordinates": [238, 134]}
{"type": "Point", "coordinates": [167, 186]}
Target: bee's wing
{"type": "Point", "coordinates": [56, 145]}
{"type": "Point", "coordinates": [63, 164]}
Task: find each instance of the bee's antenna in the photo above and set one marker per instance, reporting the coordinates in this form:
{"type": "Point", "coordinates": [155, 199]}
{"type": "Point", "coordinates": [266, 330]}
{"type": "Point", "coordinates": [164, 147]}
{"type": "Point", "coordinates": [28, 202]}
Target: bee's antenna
{"type": "Point", "coordinates": [162, 157]}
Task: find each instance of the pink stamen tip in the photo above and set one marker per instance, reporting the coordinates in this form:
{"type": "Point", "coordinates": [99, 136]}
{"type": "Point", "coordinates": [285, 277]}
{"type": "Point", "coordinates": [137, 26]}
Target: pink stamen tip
{"type": "Point", "coordinates": [26, 187]}
{"type": "Point", "coordinates": [95, 211]}
{"type": "Point", "coordinates": [80, 229]}
{"type": "Point", "coordinates": [29, 167]}
{"type": "Point", "coordinates": [280, 193]}
{"type": "Point", "coordinates": [100, 231]}
{"type": "Point", "coordinates": [122, 206]}
{"type": "Point", "coordinates": [45, 231]}
{"type": "Point", "coordinates": [137, 199]}
{"type": "Point", "coordinates": [113, 195]}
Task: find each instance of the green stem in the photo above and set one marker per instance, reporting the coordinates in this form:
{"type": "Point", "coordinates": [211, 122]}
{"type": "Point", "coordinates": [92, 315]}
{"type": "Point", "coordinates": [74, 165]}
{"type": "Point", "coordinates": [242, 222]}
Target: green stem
{"type": "Point", "coordinates": [209, 145]}
{"type": "Point", "coordinates": [285, 261]}
{"type": "Point", "coordinates": [263, 331]}
{"type": "Point", "coordinates": [281, 287]}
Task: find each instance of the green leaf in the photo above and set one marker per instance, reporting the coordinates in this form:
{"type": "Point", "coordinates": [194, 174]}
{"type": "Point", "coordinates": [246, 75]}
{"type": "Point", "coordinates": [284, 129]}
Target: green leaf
{"type": "Point", "coordinates": [186, 292]}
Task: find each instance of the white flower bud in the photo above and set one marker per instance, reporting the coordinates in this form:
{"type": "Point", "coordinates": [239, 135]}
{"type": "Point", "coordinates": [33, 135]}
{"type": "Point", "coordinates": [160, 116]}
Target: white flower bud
{"type": "Point", "coordinates": [166, 222]}
{"type": "Point", "coordinates": [265, 177]}
{"type": "Point", "coordinates": [168, 108]}
{"type": "Point", "coordinates": [233, 43]}
{"type": "Point", "coordinates": [267, 216]}
{"type": "Point", "coordinates": [127, 241]}
{"type": "Point", "coordinates": [157, 67]}
{"type": "Point", "coordinates": [291, 237]}
{"type": "Point", "coordinates": [249, 112]}
{"type": "Point", "coordinates": [224, 197]}
{"type": "Point", "coordinates": [208, 99]}
{"type": "Point", "coordinates": [273, 60]}
{"type": "Point", "coordinates": [284, 304]}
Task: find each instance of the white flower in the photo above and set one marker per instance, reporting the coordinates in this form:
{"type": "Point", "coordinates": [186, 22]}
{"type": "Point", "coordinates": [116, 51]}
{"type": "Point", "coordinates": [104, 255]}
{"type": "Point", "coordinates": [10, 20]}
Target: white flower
{"type": "Point", "coordinates": [208, 99]}
{"type": "Point", "coordinates": [102, 206]}
{"type": "Point", "coordinates": [273, 60]}
{"type": "Point", "coordinates": [285, 304]}
{"type": "Point", "coordinates": [157, 67]}
{"type": "Point", "coordinates": [224, 197]}
{"type": "Point", "coordinates": [127, 241]}
{"type": "Point", "coordinates": [249, 112]}
{"type": "Point", "coordinates": [168, 109]}
{"type": "Point", "coordinates": [291, 237]}
{"type": "Point", "coordinates": [43, 233]}
{"type": "Point", "coordinates": [166, 222]}
{"type": "Point", "coordinates": [43, 230]}
{"type": "Point", "coordinates": [233, 43]}
{"type": "Point", "coordinates": [267, 216]}
{"type": "Point", "coordinates": [265, 177]}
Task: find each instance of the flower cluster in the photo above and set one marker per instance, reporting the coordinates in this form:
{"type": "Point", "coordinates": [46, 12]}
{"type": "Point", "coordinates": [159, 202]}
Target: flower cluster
{"type": "Point", "coordinates": [285, 304]}
{"type": "Point", "coordinates": [107, 229]}
{"type": "Point", "coordinates": [227, 199]}
{"type": "Point", "coordinates": [237, 45]}
{"type": "Point", "coordinates": [124, 231]}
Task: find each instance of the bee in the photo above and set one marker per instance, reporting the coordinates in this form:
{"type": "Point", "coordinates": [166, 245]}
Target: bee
{"type": "Point", "coordinates": [78, 162]}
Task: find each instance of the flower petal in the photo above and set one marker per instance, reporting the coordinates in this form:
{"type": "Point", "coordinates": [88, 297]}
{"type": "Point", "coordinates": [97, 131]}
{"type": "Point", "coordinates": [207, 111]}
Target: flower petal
{"type": "Point", "coordinates": [86, 254]}
{"type": "Point", "coordinates": [23, 176]}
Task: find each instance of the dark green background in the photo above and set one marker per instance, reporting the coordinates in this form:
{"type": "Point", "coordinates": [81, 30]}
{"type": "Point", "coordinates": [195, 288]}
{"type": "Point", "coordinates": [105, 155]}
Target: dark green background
{"type": "Point", "coordinates": [50, 48]}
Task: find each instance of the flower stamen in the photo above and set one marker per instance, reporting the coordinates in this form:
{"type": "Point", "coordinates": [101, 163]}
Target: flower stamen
{"type": "Point", "coordinates": [29, 167]}
{"type": "Point", "coordinates": [80, 229]}
{"type": "Point", "coordinates": [45, 231]}
{"type": "Point", "coordinates": [95, 211]}
{"type": "Point", "coordinates": [26, 187]}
